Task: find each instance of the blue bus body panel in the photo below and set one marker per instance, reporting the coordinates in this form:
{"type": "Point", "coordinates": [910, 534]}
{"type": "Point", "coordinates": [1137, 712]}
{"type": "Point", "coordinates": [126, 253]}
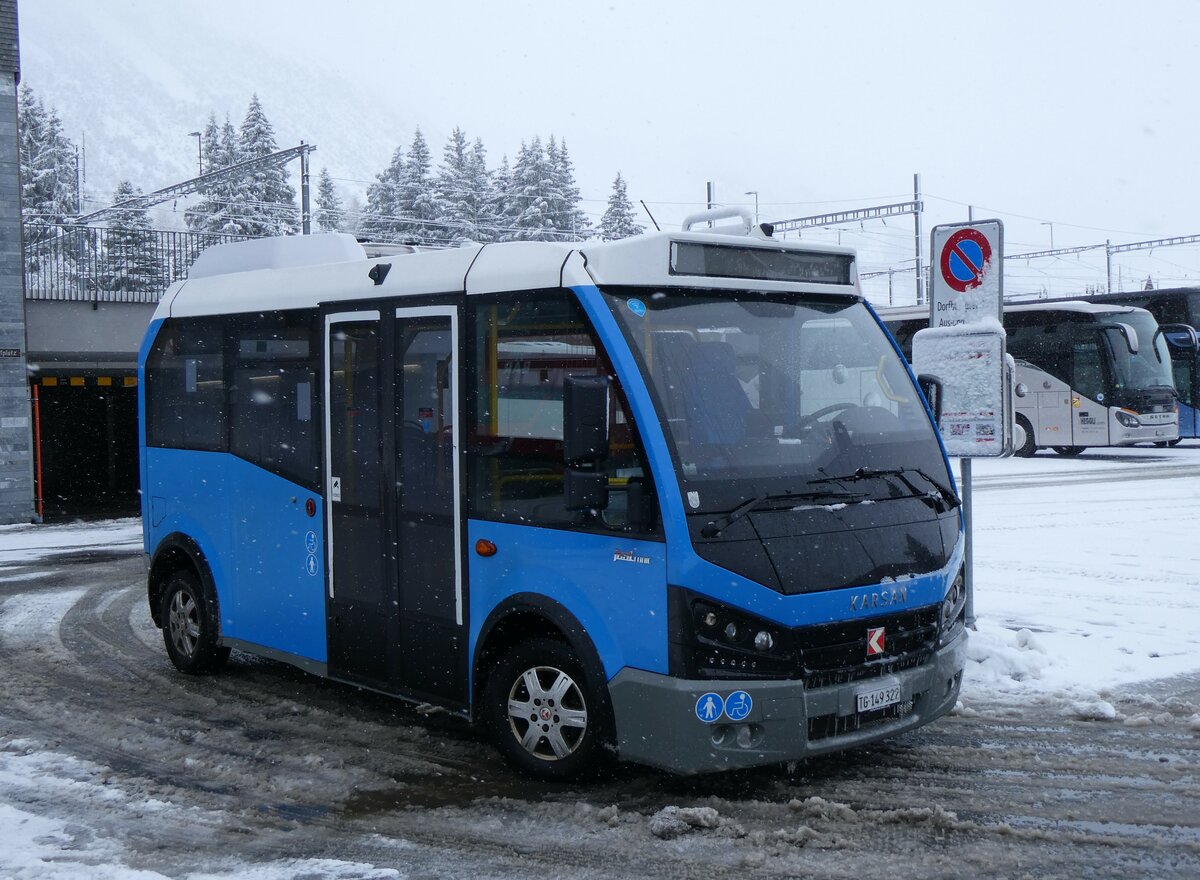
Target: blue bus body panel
{"type": "Point", "coordinates": [1189, 421]}
{"type": "Point", "coordinates": [143, 471]}
{"type": "Point", "coordinates": [256, 539]}
{"type": "Point", "coordinates": [622, 604]}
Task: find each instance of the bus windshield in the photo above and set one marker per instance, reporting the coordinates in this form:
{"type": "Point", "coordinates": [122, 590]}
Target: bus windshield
{"type": "Point", "coordinates": [769, 393]}
{"type": "Point", "coordinates": [1150, 367]}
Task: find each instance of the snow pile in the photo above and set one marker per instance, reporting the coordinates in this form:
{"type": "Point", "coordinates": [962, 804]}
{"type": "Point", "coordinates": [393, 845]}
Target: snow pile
{"type": "Point", "coordinates": [1086, 582]}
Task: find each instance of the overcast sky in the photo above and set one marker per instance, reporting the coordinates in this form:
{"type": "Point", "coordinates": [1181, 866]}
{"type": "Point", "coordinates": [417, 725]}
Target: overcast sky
{"type": "Point", "coordinates": [1079, 114]}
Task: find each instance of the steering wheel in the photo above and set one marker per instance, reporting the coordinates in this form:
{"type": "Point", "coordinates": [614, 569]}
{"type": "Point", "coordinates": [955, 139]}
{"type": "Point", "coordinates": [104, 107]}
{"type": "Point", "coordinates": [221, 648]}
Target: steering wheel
{"type": "Point", "coordinates": [812, 417]}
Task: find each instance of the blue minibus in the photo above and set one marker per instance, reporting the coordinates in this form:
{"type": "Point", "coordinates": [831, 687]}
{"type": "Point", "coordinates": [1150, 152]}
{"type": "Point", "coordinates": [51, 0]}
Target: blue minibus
{"type": "Point", "coordinates": [675, 500]}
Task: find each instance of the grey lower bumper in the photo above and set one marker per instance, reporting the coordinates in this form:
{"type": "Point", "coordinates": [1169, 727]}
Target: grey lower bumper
{"type": "Point", "coordinates": [658, 724]}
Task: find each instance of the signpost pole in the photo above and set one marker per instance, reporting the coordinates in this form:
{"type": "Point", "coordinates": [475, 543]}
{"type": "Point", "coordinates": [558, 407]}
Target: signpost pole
{"type": "Point", "coordinates": [966, 301]}
{"type": "Point", "coordinates": [964, 477]}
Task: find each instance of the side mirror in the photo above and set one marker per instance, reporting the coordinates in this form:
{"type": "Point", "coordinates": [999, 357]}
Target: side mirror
{"type": "Point", "coordinates": [585, 419]}
{"type": "Point", "coordinates": [1180, 336]}
{"type": "Point", "coordinates": [931, 387]}
{"type": "Point", "coordinates": [585, 490]}
{"type": "Point", "coordinates": [1127, 331]}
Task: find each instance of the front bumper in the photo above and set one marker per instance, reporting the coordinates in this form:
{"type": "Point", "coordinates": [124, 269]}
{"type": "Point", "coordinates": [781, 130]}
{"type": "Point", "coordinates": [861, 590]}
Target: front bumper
{"type": "Point", "coordinates": [657, 721]}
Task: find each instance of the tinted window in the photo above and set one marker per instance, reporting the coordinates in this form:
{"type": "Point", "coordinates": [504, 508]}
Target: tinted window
{"type": "Point", "coordinates": [273, 420]}
{"type": "Point", "coordinates": [185, 387]}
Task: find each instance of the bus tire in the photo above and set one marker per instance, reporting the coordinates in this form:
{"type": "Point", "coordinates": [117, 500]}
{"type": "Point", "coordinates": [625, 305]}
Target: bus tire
{"type": "Point", "coordinates": [542, 713]}
{"type": "Point", "coordinates": [189, 625]}
{"type": "Point", "coordinates": [1029, 447]}
{"type": "Point", "coordinates": [1069, 451]}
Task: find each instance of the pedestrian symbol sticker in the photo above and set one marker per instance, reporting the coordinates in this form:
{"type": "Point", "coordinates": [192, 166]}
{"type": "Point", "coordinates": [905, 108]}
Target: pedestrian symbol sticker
{"type": "Point", "coordinates": [738, 705]}
{"type": "Point", "coordinates": [709, 707]}
{"type": "Point", "coordinates": [311, 565]}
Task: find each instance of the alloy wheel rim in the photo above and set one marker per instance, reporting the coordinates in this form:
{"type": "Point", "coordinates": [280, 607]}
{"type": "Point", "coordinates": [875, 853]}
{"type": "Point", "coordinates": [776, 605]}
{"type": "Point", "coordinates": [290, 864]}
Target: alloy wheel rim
{"type": "Point", "coordinates": [547, 713]}
{"type": "Point", "coordinates": [184, 621]}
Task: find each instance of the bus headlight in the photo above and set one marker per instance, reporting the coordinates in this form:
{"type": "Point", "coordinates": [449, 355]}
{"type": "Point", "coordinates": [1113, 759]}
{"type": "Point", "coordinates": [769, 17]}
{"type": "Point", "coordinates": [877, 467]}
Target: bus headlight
{"type": "Point", "coordinates": [1128, 418]}
{"type": "Point", "coordinates": [954, 610]}
{"type": "Point", "coordinates": [713, 641]}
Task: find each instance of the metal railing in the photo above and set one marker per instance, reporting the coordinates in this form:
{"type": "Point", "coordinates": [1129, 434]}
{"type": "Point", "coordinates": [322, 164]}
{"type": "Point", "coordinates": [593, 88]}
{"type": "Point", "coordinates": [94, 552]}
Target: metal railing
{"type": "Point", "coordinates": [87, 264]}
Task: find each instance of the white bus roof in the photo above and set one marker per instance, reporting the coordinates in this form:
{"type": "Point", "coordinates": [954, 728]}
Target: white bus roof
{"type": "Point", "coordinates": [305, 271]}
{"type": "Point", "coordinates": [901, 313]}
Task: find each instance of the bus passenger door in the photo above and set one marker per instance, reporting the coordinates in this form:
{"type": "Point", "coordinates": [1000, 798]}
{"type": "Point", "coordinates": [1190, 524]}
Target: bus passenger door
{"type": "Point", "coordinates": [361, 617]}
{"type": "Point", "coordinates": [426, 498]}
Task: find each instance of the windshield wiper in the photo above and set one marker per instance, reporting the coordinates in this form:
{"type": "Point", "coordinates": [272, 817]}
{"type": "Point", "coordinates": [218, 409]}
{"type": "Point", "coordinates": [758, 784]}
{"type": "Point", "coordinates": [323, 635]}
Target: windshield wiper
{"type": "Point", "coordinates": [714, 528]}
{"type": "Point", "coordinates": [943, 497]}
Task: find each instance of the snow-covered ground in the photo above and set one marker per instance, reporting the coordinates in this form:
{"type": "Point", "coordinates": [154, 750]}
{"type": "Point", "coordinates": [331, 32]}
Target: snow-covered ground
{"type": "Point", "coordinates": [1087, 589]}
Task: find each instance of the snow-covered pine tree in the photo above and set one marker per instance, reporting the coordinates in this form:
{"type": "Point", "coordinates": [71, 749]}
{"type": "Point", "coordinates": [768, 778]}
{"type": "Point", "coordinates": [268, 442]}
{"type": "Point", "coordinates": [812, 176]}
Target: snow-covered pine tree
{"type": "Point", "coordinates": [220, 207]}
{"type": "Point", "coordinates": [49, 179]}
{"type": "Point", "coordinates": [618, 220]}
{"type": "Point", "coordinates": [419, 205]}
{"type": "Point", "coordinates": [530, 196]}
{"type": "Point", "coordinates": [381, 221]}
{"type": "Point", "coordinates": [482, 183]}
{"type": "Point", "coordinates": [268, 201]}
{"type": "Point", "coordinates": [460, 202]}
{"type": "Point", "coordinates": [130, 261]}
{"type": "Point", "coordinates": [500, 205]}
{"type": "Point", "coordinates": [568, 215]}
{"type": "Point", "coordinates": [331, 216]}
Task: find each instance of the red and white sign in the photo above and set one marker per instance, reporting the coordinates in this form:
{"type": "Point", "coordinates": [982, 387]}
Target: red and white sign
{"type": "Point", "coordinates": [966, 257]}
{"type": "Point", "coordinates": [875, 641]}
{"type": "Point", "coordinates": [966, 285]}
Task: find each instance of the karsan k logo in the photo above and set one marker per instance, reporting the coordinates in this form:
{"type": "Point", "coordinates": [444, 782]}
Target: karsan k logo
{"type": "Point", "coordinates": [630, 556]}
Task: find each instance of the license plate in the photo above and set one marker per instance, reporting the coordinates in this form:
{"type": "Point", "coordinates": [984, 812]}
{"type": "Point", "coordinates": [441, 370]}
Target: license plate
{"type": "Point", "coordinates": [877, 699]}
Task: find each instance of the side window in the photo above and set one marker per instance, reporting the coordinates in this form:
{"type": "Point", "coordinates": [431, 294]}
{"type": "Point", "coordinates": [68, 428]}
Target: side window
{"type": "Point", "coordinates": [522, 351]}
{"type": "Point", "coordinates": [185, 387]}
{"type": "Point", "coordinates": [273, 394]}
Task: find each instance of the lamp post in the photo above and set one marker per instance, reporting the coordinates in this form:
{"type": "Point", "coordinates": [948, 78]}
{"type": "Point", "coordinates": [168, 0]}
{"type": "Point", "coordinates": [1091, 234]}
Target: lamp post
{"type": "Point", "coordinates": [199, 150]}
{"type": "Point", "coordinates": [1050, 223]}
{"type": "Point", "coordinates": [753, 192]}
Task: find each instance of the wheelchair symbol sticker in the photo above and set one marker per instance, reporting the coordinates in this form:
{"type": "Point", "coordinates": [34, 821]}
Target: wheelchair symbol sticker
{"type": "Point", "coordinates": [738, 705]}
{"type": "Point", "coordinates": [709, 707]}
{"type": "Point", "coordinates": [310, 541]}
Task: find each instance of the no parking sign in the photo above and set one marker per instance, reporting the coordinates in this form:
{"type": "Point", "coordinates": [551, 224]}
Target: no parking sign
{"type": "Point", "coordinates": [967, 281]}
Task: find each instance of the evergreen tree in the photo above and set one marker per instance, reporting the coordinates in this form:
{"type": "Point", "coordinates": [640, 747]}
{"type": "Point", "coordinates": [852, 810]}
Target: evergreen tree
{"type": "Point", "coordinates": [383, 202]}
{"type": "Point", "coordinates": [531, 193]}
{"type": "Point", "coordinates": [483, 184]}
{"type": "Point", "coordinates": [419, 205]}
{"type": "Point", "coordinates": [618, 220]}
{"type": "Point", "coordinates": [565, 207]}
{"type": "Point", "coordinates": [220, 206]}
{"type": "Point", "coordinates": [459, 207]}
{"type": "Point", "coordinates": [49, 179]}
{"type": "Point", "coordinates": [267, 200]}
{"type": "Point", "coordinates": [500, 205]}
{"type": "Point", "coordinates": [130, 261]}
{"type": "Point", "coordinates": [464, 190]}
{"type": "Point", "coordinates": [331, 216]}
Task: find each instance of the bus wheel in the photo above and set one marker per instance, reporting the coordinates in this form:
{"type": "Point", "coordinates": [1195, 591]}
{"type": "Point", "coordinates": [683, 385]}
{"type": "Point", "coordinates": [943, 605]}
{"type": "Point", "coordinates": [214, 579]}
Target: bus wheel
{"type": "Point", "coordinates": [1029, 446]}
{"type": "Point", "coordinates": [189, 631]}
{"type": "Point", "coordinates": [542, 714]}
{"type": "Point", "coordinates": [1069, 451]}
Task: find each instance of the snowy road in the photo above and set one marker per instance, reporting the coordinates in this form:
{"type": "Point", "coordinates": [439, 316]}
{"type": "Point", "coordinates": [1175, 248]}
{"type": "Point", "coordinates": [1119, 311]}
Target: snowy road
{"type": "Point", "coordinates": [114, 766]}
